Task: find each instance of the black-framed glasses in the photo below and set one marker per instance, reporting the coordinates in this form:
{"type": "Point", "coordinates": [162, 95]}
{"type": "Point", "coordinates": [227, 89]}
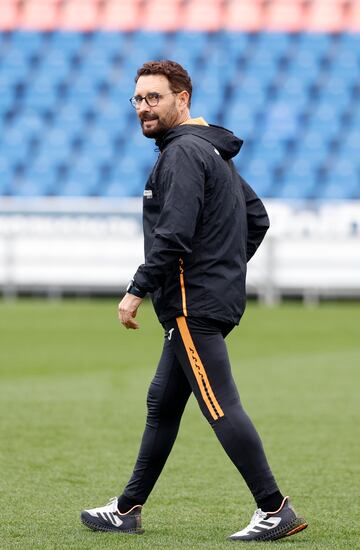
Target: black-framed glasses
{"type": "Point", "coordinates": [152, 99]}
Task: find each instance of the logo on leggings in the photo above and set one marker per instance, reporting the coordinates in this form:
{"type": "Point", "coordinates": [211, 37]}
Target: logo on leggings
{"type": "Point", "coordinates": [170, 333]}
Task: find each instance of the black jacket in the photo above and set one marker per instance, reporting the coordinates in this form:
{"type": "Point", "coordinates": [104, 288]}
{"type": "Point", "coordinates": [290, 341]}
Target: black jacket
{"type": "Point", "coordinates": [202, 224]}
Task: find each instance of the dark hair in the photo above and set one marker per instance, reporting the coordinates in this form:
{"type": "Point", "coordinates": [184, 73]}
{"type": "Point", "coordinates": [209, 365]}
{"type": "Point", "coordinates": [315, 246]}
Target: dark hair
{"type": "Point", "coordinates": [177, 76]}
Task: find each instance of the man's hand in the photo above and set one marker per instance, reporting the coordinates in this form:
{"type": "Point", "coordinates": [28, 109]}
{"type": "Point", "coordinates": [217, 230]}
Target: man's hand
{"type": "Point", "coordinates": [127, 310]}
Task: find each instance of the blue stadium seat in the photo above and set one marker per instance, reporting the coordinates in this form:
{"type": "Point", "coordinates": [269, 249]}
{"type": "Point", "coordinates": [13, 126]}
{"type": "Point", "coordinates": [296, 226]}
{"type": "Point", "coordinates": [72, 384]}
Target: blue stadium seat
{"type": "Point", "coordinates": [181, 53]}
{"type": "Point", "coordinates": [15, 65]}
{"type": "Point", "coordinates": [40, 177]}
{"type": "Point", "coordinates": [202, 105]}
{"type": "Point", "coordinates": [258, 174]}
{"type": "Point", "coordinates": [58, 143]}
{"type": "Point", "coordinates": [6, 185]}
{"type": "Point", "coordinates": [305, 67]}
{"type": "Point", "coordinates": [84, 167]}
{"type": "Point", "coordinates": [234, 43]}
{"type": "Point", "coordinates": [29, 42]}
{"type": "Point", "coordinates": [68, 119]}
{"type": "Point", "coordinates": [122, 87]}
{"type": "Point", "coordinates": [117, 188]}
{"type": "Point", "coordinates": [82, 178]}
{"type": "Point", "coordinates": [271, 149]}
{"type": "Point", "coordinates": [240, 119]}
{"type": "Point", "coordinates": [337, 90]}
{"type": "Point", "coordinates": [103, 155]}
{"type": "Point", "coordinates": [98, 145]}
{"type": "Point", "coordinates": [345, 64]}
{"type": "Point", "coordinates": [29, 121]}
{"type": "Point", "coordinates": [314, 145]}
{"type": "Point", "coordinates": [264, 60]}
{"type": "Point", "coordinates": [127, 178]}
{"type": "Point", "coordinates": [318, 44]}
{"type": "Point", "coordinates": [299, 180]}
{"type": "Point", "coordinates": [13, 146]}
{"type": "Point", "coordinates": [281, 118]}
{"type": "Point", "coordinates": [208, 94]}
{"type": "Point", "coordinates": [111, 43]}
{"type": "Point", "coordinates": [66, 125]}
{"type": "Point", "coordinates": [113, 117]}
{"type": "Point", "coordinates": [40, 93]}
{"type": "Point", "coordinates": [152, 45]}
{"type": "Point", "coordinates": [351, 142]}
{"type": "Point", "coordinates": [69, 43]}
{"type": "Point", "coordinates": [350, 41]}
{"type": "Point", "coordinates": [82, 90]}
{"type": "Point", "coordinates": [138, 151]}
{"type": "Point", "coordinates": [249, 90]}
{"type": "Point", "coordinates": [293, 86]}
{"type": "Point", "coordinates": [119, 184]}
{"type": "Point", "coordinates": [198, 41]}
{"type": "Point", "coordinates": [97, 65]}
{"type": "Point", "coordinates": [26, 186]}
{"type": "Point", "coordinates": [6, 174]}
{"type": "Point", "coordinates": [7, 94]}
{"type": "Point", "coordinates": [77, 187]}
{"type": "Point", "coordinates": [279, 44]}
{"type": "Point", "coordinates": [55, 65]}
{"type": "Point", "coordinates": [343, 181]}
{"type": "Point", "coordinates": [220, 62]}
{"type": "Point", "coordinates": [355, 115]}
{"type": "Point", "coordinates": [296, 101]}
{"type": "Point", "coordinates": [296, 190]}
{"type": "Point", "coordinates": [242, 160]}
{"type": "Point", "coordinates": [187, 56]}
{"type": "Point", "coordinates": [210, 82]}
{"type": "Point", "coordinates": [268, 71]}
{"type": "Point", "coordinates": [325, 118]}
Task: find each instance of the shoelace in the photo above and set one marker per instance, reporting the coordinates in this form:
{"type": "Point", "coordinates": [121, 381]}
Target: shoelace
{"type": "Point", "coordinates": [257, 516]}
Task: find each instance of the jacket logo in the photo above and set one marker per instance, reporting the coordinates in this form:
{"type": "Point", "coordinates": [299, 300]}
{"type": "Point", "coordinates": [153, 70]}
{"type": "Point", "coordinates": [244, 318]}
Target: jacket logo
{"type": "Point", "coordinates": [170, 333]}
{"type": "Point", "coordinates": [148, 193]}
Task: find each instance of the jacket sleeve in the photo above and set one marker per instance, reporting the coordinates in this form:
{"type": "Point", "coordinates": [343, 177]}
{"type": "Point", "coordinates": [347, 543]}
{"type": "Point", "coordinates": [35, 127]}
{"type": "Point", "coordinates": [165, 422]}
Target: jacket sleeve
{"type": "Point", "coordinates": [257, 220]}
{"type": "Point", "coordinates": [182, 178]}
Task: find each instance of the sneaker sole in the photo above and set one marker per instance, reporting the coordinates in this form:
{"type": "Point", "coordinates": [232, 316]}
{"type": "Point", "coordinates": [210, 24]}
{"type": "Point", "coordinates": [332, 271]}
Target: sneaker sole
{"type": "Point", "coordinates": [297, 529]}
{"type": "Point", "coordinates": [104, 528]}
{"type": "Point", "coordinates": [299, 524]}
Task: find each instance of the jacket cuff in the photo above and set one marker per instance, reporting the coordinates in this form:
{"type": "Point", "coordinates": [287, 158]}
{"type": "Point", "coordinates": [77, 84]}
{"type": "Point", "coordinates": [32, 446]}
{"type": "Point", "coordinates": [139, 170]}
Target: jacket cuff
{"type": "Point", "coordinates": [135, 290]}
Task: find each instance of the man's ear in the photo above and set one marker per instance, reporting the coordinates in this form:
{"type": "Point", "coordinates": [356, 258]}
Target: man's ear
{"type": "Point", "coordinates": [184, 98]}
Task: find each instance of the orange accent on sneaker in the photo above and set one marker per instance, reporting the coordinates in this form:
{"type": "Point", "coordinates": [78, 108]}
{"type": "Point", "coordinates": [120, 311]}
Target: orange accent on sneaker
{"type": "Point", "coordinates": [297, 529]}
{"type": "Point", "coordinates": [131, 509]}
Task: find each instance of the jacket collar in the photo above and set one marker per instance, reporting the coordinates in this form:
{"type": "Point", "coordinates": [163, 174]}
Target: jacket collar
{"type": "Point", "coordinates": [200, 121]}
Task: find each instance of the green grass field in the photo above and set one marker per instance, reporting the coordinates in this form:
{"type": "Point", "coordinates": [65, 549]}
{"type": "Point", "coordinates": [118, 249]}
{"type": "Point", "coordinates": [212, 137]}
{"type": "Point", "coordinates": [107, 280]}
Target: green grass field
{"type": "Point", "coordinates": [73, 385]}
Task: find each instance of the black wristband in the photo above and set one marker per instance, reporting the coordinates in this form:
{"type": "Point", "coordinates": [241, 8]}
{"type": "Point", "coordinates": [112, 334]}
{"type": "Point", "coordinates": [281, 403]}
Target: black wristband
{"type": "Point", "coordinates": [134, 290]}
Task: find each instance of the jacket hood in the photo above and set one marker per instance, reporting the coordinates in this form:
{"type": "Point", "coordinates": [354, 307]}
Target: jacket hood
{"type": "Point", "coordinates": [224, 140]}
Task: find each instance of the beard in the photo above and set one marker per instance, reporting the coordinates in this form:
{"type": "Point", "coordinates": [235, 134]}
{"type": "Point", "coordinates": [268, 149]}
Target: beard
{"type": "Point", "coordinates": [154, 126]}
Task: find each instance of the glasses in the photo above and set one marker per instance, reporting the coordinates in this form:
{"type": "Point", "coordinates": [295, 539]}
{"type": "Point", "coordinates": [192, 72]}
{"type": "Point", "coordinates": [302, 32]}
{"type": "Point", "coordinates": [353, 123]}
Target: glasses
{"type": "Point", "coordinates": [152, 99]}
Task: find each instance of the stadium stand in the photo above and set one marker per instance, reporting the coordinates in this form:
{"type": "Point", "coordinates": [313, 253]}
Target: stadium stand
{"type": "Point", "coordinates": [282, 75]}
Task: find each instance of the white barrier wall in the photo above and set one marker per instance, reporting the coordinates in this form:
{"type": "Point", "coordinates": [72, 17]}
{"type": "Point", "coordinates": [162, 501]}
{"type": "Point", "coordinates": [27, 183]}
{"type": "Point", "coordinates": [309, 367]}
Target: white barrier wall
{"type": "Point", "coordinates": [311, 250]}
{"type": "Point", "coordinates": [66, 245]}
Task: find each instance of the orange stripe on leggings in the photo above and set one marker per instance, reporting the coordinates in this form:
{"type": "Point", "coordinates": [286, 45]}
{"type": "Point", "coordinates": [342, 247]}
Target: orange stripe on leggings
{"type": "Point", "coordinates": [182, 286]}
{"type": "Point", "coordinates": [199, 371]}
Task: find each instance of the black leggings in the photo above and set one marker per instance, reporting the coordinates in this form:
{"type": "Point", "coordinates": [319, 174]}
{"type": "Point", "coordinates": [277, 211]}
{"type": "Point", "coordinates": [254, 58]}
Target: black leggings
{"type": "Point", "coordinates": [195, 359]}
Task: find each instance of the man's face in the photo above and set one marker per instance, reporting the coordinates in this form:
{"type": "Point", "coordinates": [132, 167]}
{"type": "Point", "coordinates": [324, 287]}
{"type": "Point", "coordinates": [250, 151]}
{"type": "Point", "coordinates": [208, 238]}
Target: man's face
{"type": "Point", "coordinates": [155, 121]}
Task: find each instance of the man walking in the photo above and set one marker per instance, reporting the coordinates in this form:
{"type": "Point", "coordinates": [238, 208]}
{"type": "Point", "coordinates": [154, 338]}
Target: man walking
{"type": "Point", "coordinates": [202, 224]}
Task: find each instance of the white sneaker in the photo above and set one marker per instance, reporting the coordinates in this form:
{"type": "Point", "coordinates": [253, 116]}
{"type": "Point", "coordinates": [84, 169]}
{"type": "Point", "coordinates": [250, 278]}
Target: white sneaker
{"type": "Point", "coordinates": [272, 525]}
{"type": "Point", "coordinates": [108, 518]}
